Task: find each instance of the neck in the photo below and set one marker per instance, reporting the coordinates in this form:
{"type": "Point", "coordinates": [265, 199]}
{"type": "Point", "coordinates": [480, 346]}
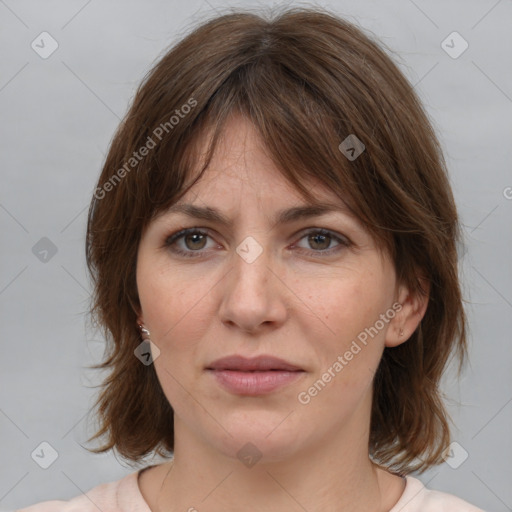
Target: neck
{"type": "Point", "coordinates": [330, 476]}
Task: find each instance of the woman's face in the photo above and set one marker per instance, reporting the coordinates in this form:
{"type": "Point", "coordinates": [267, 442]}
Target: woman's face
{"type": "Point", "coordinates": [311, 291]}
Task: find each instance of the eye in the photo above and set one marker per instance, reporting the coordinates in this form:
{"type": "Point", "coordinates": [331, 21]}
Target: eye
{"type": "Point", "coordinates": [191, 242]}
{"type": "Point", "coordinates": [320, 240]}
{"type": "Point", "coordinates": [194, 240]}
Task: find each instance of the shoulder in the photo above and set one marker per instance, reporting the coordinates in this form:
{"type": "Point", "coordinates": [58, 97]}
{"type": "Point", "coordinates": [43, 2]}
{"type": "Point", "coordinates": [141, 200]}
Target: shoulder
{"type": "Point", "coordinates": [417, 498]}
{"type": "Point", "coordinates": [119, 496]}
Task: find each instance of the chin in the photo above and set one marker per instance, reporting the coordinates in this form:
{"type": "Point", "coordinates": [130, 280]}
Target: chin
{"type": "Point", "coordinates": [268, 436]}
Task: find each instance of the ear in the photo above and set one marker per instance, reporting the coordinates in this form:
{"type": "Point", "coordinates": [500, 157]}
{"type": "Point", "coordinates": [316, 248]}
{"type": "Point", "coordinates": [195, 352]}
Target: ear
{"type": "Point", "coordinates": [414, 305]}
{"type": "Point", "coordinates": [137, 309]}
{"type": "Point", "coordinates": [140, 316]}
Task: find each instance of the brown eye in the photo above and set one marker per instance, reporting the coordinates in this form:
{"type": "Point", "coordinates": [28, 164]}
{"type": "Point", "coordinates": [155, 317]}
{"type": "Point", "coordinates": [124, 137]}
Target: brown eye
{"type": "Point", "coordinates": [188, 242]}
{"type": "Point", "coordinates": [319, 242]}
{"type": "Point", "coordinates": [195, 241]}
{"type": "Point", "coordinates": [192, 242]}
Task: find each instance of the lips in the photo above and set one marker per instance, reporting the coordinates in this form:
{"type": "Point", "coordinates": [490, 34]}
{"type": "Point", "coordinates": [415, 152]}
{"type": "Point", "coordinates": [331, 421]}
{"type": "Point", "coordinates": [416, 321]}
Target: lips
{"type": "Point", "coordinates": [253, 376]}
{"type": "Point", "coordinates": [255, 364]}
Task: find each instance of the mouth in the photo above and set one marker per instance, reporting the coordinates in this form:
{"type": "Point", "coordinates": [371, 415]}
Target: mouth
{"type": "Point", "coordinates": [253, 376]}
{"type": "Point", "coordinates": [255, 364]}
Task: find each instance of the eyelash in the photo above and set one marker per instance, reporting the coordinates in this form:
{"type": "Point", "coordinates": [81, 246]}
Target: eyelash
{"type": "Point", "coordinates": [172, 239]}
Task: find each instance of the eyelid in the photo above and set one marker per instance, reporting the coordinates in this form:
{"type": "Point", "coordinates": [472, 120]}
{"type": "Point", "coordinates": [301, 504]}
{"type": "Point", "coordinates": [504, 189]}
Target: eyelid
{"type": "Point", "coordinates": [342, 240]}
{"type": "Point", "coordinates": [181, 233]}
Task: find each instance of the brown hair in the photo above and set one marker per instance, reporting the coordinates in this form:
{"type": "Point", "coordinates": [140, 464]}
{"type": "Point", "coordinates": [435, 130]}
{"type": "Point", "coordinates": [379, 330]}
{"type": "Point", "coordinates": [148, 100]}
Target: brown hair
{"type": "Point", "coordinates": [306, 80]}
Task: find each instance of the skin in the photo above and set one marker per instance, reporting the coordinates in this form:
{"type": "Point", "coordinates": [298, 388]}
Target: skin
{"type": "Point", "coordinates": [291, 302]}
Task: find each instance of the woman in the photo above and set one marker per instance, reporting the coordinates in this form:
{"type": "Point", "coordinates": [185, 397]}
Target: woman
{"type": "Point", "coordinates": [273, 246]}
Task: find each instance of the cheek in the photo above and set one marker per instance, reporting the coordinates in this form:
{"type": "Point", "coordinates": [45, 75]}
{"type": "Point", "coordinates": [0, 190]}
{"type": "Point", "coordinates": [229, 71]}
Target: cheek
{"type": "Point", "coordinates": [173, 305]}
{"type": "Point", "coordinates": [347, 324]}
{"type": "Point", "coordinates": [347, 303]}
{"type": "Point", "coordinates": [174, 310]}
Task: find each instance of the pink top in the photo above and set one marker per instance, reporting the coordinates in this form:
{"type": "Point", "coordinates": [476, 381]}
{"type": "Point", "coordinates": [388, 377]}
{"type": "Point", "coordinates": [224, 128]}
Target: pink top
{"type": "Point", "coordinates": [124, 496]}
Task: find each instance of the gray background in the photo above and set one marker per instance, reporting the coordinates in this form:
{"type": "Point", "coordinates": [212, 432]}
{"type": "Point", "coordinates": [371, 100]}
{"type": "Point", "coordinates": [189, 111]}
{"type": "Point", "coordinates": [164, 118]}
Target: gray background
{"type": "Point", "coordinates": [58, 116]}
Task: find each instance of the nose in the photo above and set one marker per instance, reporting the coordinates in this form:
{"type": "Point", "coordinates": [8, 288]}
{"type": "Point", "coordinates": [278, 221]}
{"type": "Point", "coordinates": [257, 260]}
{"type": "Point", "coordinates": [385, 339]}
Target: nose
{"type": "Point", "coordinates": [253, 294]}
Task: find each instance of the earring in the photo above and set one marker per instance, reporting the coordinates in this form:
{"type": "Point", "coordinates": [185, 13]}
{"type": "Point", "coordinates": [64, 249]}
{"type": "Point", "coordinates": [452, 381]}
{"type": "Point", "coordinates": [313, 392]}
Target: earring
{"type": "Point", "coordinates": [144, 331]}
{"type": "Point", "coordinates": [401, 333]}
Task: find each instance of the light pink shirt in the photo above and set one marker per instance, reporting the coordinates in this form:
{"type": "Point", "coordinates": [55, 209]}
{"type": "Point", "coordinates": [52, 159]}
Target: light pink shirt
{"type": "Point", "coordinates": [124, 496]}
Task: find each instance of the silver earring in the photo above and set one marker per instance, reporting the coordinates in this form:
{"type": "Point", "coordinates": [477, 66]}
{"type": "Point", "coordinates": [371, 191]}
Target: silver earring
{"type": "Point", "coordinates": [144, 331]}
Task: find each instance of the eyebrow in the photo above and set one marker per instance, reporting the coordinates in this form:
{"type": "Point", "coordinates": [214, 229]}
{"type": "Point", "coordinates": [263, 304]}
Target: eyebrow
{"type": "Point", "coordinates": [286, 216]}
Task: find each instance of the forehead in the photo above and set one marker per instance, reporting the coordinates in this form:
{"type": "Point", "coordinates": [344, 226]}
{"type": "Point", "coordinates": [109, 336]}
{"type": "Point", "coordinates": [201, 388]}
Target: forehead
{"type": "Point", "coordinates": [240, 166]}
